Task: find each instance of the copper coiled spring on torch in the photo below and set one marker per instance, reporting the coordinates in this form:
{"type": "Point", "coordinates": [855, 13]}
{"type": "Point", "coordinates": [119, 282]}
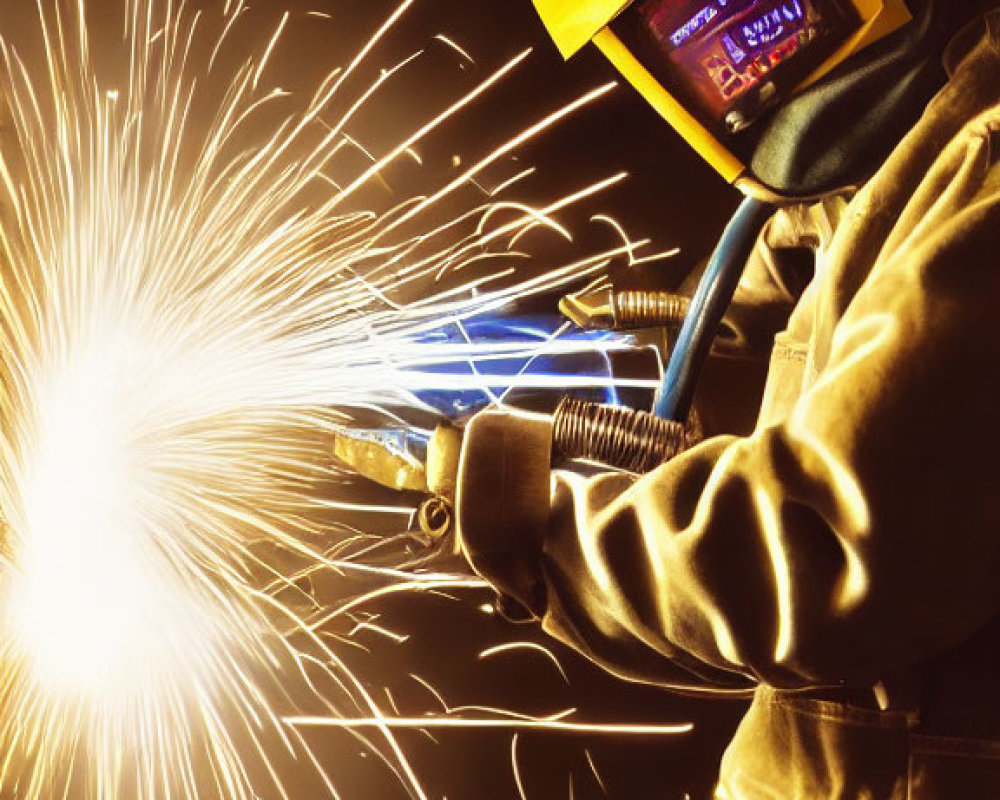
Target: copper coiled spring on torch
{"type": "Point", "coordinates": [636, 441]}
{"type": "Point", "coordinates": [635, 309]}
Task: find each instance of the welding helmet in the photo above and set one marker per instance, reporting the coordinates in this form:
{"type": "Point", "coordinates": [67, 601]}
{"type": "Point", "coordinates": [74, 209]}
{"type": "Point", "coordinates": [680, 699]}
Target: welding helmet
{"type": "Point", "coordinates": [787, 99]}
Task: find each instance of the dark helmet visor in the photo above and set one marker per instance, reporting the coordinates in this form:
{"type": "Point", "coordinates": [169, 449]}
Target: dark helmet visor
{"type": "Point", "coordinates": [729, 61]}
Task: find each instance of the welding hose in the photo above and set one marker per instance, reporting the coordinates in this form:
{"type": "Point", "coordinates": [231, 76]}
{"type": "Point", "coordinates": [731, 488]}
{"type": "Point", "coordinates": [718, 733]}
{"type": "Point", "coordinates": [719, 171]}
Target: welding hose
{"type": "Point", "coordinates": [708, 307]}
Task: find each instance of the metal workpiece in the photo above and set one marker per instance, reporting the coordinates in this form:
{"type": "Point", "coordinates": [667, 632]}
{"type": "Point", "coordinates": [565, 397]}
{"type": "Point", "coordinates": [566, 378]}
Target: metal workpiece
{"type": "Point", "coordinates": [396, 459]}
{"type": "Point", "coordinates": [403, 460]}
{"type": "Point", "coordinates": [625, 310]}
{"type": "Point", "coordinates": [386, 457]}
{"type": "Point", "coordinates": [636, 441]}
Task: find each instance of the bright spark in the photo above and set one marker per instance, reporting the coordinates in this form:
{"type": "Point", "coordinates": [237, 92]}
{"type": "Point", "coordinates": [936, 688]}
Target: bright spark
{"type": "Point", "coordinates": [534, 647]}
{"type": "Point", "coordinates": [556, 726]}
{"type": "Point", "coordinates": [516, 767]}
{"type": "Point", "coordinates": [594, 772]}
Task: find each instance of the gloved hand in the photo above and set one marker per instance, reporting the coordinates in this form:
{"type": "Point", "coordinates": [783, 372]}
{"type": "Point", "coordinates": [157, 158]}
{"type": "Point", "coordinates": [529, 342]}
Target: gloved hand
{"type": "Point", "coordinates": [506, 455]}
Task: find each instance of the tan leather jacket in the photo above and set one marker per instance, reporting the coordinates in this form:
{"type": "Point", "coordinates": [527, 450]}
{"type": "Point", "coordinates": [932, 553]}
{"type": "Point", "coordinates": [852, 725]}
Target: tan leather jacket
{"type": "Point", "coordinates": [845, 557]}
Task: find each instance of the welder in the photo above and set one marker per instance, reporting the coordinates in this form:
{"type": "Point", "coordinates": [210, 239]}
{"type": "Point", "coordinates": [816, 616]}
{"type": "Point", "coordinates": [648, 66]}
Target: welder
{"type": "Point", "coordinates": [843, 560]}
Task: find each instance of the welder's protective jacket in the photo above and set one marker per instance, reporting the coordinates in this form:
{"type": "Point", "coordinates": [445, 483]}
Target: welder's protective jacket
{"type": "Point", "coordinates": [851, 545]}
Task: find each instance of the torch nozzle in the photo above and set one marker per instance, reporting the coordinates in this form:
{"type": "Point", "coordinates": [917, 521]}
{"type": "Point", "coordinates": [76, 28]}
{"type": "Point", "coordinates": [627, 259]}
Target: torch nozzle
{"type": "Point", "coordinates": [593, 311]}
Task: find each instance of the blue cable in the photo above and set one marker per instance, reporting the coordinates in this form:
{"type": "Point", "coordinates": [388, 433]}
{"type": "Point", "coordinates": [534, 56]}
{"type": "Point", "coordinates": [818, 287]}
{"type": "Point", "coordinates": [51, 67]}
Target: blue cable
{"type": "Point", "coordinates": [708, 307]}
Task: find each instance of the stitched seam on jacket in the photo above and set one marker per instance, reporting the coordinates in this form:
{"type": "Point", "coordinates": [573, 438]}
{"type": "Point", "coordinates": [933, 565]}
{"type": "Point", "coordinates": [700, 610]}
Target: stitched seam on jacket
{"type": "Point", "coordinates": [835, 712]}
{"type": "Point", "coordinates": [788, 352]}
{"type": "Point", "coordinates": [954, 746]}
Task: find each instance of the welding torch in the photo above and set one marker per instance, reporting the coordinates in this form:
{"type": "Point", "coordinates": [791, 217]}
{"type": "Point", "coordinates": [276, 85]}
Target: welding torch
{"type": "Point", "coordinates": [406, 461]}
{"type": "Point", "coordinates": [629, 439]}
{"type": "Point", "coordinates": [637, 440]}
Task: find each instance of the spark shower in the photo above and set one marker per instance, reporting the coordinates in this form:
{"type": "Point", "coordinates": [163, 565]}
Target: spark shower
{"type": "Point", "coordinates": [190, 303]}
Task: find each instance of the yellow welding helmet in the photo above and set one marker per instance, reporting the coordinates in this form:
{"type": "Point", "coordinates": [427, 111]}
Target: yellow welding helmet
{"type": "Point", "coordinates": [785, 98]}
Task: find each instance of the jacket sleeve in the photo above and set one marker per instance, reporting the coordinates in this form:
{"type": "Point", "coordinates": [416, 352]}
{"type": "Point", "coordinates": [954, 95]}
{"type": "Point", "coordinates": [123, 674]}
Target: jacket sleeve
{"type": "Point", "coordinates": [856, 535]}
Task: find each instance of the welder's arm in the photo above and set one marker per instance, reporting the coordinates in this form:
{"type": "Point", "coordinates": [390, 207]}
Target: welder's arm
{"type": "Point", "coordinates": [858, 536]}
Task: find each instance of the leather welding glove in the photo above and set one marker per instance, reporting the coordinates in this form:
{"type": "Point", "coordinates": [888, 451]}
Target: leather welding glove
{"type": "Point", "coordinates": [438, 515]}
{"type": "Point", "coordinates": [511, 460]}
